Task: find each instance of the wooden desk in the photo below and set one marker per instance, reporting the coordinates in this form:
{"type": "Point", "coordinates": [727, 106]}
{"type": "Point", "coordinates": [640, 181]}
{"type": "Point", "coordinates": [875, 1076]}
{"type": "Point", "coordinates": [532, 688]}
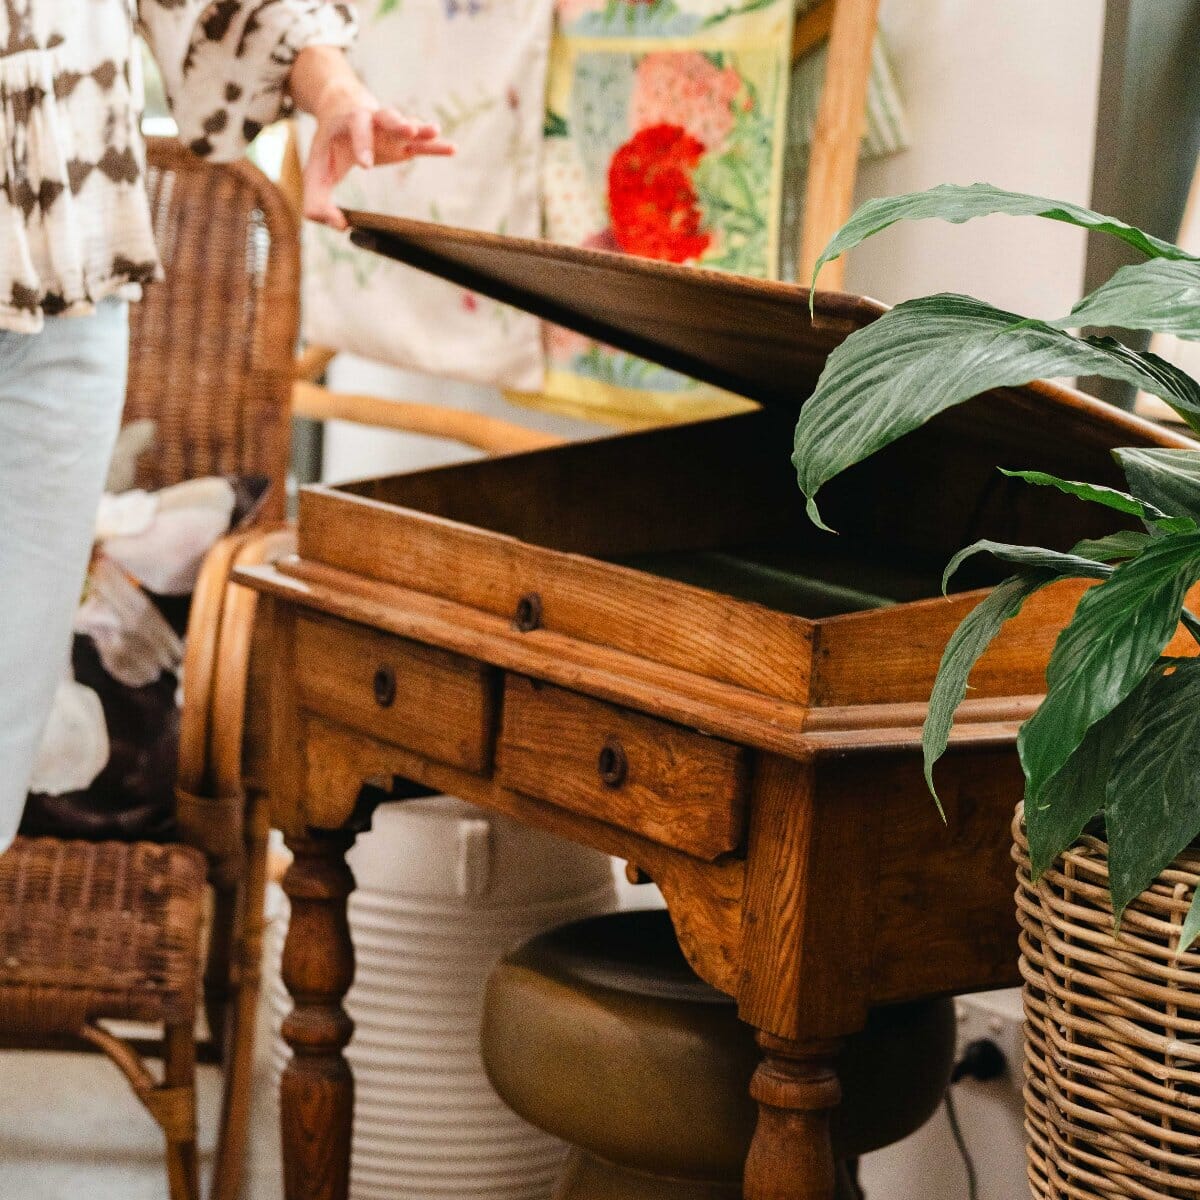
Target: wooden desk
{"type": "Point", "coordinates": [641, 644]}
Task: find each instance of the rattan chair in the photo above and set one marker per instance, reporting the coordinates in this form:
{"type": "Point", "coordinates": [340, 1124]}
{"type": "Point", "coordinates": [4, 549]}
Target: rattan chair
{"type": "Point", "coordinates": [91, 932]}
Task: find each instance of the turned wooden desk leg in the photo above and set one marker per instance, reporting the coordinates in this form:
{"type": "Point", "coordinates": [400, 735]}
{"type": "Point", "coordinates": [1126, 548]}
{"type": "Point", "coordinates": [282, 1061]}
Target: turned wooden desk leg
{"type": "Point", "coordinates": [796, 1087]}
{"type": "Point", "coordinates": [316, 1093]}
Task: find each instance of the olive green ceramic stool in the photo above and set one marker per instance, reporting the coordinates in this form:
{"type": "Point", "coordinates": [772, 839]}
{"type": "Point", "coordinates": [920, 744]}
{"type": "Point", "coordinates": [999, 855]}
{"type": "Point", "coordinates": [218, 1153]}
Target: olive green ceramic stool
{"type": "Point", "coordinates": [600, 1033]}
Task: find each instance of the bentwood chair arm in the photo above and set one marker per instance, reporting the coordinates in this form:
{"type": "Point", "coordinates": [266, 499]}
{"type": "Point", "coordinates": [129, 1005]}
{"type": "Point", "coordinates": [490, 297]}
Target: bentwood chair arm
{"type": "Point", "coordinates": [237, 795]}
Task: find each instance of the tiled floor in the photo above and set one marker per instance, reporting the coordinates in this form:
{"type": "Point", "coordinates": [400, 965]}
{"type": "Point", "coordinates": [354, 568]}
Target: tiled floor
{"type": "Point", "coordinates": [70, 1129]}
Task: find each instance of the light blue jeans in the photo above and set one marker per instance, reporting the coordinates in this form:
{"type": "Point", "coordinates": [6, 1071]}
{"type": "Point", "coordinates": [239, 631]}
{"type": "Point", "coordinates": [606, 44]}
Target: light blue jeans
{"type": "Point", "coordinates": [61, 395]}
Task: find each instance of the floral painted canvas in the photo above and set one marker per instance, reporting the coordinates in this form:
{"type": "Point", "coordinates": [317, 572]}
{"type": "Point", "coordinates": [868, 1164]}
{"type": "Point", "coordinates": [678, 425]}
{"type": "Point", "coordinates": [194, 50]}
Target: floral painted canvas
{"type": "Point", "coordinates": [664, 138]}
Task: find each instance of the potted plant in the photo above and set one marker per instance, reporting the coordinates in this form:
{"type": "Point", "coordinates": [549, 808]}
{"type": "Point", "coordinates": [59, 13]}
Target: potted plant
{"type": "Point", "coordinates": [1107, 874]}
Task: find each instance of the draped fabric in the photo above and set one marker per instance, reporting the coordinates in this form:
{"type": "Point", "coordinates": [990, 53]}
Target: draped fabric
{"type": "Point", "coordinates": [477, 67]}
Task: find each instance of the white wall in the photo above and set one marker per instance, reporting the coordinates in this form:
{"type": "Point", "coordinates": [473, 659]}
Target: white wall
{"type": "Point", "coordinates": [1003, 93]}
{"type": "Point", "coordinates": [356, 451]}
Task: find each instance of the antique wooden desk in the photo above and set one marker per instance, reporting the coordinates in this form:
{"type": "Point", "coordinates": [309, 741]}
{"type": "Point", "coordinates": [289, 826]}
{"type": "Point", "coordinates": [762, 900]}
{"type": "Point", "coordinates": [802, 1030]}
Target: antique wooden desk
{"type": "Point", "coordinates": [642, 644]}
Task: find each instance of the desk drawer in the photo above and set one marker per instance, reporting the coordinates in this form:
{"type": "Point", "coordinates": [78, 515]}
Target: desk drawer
{"type": "Point", "coordinates": [669, 784]}
{"type": "Point", "coordinates": [439, 704]}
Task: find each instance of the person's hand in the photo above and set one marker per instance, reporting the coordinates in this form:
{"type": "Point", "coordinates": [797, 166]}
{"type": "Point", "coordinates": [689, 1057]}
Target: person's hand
{"type": "Point", "coordinates": [357, 135]}
{"type": "Point", "coordinates": [353, 130]}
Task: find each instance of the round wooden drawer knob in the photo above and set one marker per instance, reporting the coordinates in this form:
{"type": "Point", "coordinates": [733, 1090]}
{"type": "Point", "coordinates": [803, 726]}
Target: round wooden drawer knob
{"type": "Point", "coordinates": [612, 764]}
{"type": "Point", "coordinates": [384, 686]}
{"type": "Point", "coordinates": [528, 615]}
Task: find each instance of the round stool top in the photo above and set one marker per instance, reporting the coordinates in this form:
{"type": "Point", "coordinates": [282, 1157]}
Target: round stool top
{"type": "Point", "coordinates": [634, 952]}
{"type": "Point", "coordinates": [600, 1033]}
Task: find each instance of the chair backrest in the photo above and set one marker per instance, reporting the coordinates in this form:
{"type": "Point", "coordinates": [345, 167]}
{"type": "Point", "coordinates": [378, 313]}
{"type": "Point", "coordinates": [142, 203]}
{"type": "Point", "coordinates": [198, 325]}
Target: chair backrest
{"type": "Point", "coordinates": [212, 347]}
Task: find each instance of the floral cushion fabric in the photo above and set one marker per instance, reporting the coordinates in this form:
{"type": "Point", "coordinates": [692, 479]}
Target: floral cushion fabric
{"type": "Point", "coordinates": [106, 766]}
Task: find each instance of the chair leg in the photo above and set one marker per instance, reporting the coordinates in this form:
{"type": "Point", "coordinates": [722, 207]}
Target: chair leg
{"type": "Point", "coordinates": [242, 1015]}
{"type": "Point", "coordinates": [172, 1103]}
{"type": "Point", "coordinates": [179, 1124]}
{"type": "Point", "coordinates": [218, 987]}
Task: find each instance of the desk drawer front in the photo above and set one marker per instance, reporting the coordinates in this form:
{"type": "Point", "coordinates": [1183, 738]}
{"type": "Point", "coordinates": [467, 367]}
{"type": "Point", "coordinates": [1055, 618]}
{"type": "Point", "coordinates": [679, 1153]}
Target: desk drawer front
{"type": "Point", "coordinates": [672, 785]}
{"type": "Point", "coordinates": [439, 704]}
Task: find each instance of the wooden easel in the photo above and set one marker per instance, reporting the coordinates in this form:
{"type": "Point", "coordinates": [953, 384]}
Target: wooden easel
{"type": "Point", "coordinates": [1184, 355]}
{"type": "Point", "coordinates": [850, 27]}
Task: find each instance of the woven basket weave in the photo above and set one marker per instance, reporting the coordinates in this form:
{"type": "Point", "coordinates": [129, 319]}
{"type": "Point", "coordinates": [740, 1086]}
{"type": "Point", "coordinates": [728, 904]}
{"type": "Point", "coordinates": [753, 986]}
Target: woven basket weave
{"type": "Point", "coordinates": [1112, 1094]}
{"type": "Point", "coordinates": [90, 930]}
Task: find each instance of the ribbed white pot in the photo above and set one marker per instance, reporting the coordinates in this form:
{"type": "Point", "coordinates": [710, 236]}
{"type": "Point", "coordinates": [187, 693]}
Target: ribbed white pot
{"type": "Point", "coordinates": [444, 889]}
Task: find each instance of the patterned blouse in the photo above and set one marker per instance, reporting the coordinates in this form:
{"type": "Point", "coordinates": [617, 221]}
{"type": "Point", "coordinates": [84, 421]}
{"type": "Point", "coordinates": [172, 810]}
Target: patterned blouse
{"type": "Point", "coordinates": [74, 215]}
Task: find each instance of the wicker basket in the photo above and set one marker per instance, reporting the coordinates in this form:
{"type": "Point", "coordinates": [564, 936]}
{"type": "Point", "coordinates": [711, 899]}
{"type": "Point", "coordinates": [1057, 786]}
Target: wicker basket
{"type": "Point", "coordinates": [1112, 1095]}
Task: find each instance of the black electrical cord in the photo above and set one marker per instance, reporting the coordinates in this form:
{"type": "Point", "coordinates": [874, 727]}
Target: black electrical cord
{"type": "Point", "coordinates": [961, 1143]}
{"type": "Point", "coordinates": [981, 1060]}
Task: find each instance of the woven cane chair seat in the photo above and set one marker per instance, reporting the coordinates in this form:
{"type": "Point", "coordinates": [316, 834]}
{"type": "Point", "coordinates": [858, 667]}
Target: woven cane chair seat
{"type": "Point", "coordinates": [97, 930]}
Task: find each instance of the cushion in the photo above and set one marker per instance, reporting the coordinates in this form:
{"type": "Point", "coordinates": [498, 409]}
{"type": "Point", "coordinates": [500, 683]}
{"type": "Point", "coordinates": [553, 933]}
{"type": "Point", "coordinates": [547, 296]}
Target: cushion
{"type": "Point", "coordinates": [106, 767]}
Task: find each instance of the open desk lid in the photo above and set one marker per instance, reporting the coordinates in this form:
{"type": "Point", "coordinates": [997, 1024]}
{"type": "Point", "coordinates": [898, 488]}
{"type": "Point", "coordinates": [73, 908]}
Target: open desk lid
{"type": "Point", "coordinates": [752, 337]}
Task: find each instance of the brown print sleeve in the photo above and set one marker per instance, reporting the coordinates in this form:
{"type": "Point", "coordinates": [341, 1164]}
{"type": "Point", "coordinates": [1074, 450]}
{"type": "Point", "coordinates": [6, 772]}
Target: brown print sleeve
{"type": "Point", "coordinates": [225, 63]}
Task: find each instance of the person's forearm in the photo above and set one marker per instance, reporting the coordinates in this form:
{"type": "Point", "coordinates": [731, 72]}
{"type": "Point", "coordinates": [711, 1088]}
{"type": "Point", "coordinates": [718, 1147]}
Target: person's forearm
{"type": "Point", "coordinates": [322, 80]}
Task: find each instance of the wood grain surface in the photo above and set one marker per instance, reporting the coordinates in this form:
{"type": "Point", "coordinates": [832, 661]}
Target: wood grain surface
{"type": "Point", "coordinates": [676, 787]}
{"type": "Point", "coordinates": [769, 776]}
{"type": "Point", "coordinates": [440, 704]}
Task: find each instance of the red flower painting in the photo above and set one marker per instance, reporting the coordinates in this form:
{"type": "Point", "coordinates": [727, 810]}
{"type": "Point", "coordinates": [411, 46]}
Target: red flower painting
{"type": "Point", "coordinates": [651, 199]}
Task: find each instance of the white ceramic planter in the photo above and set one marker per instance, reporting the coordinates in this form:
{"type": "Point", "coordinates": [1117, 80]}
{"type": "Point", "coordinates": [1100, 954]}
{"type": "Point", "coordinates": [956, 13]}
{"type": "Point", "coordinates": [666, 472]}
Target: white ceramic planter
{"type": "Point", "coordinates": [443, 890]}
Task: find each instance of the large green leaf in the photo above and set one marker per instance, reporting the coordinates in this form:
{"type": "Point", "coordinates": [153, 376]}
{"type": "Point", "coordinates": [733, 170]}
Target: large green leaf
{"type": "Point", "coordinates": [1117, 633]}
{"type": "Point", "coordinates": [928, 355]}
{"type": "Point", "coordinates": [964, 649]}
{"type": "Point", "coordinates": [1168, 479]}
{"type": "Point", "coordinates": [981, 625]}
{"type": "Point", "coordinates": [957, 203]}
{"type": "Point", "coordinates": [1076, 792]}
{"type": "Point", "coordinates": [1152, 809]}
{"type": "Point", "coordinates": [1037, 557]}
{"type": "Point", "coordinates": [1095, 493]}
{"type": "Point", "coordinates": [1125, 543]}
{"type": "Point", "coordinates": [1175, 386]}
{"type": "Point", "coordinates": [1162, 296]}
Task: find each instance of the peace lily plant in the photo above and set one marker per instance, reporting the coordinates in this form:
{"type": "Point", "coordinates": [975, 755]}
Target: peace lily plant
{"type": "Point", "coordinates": [1118, 734]}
